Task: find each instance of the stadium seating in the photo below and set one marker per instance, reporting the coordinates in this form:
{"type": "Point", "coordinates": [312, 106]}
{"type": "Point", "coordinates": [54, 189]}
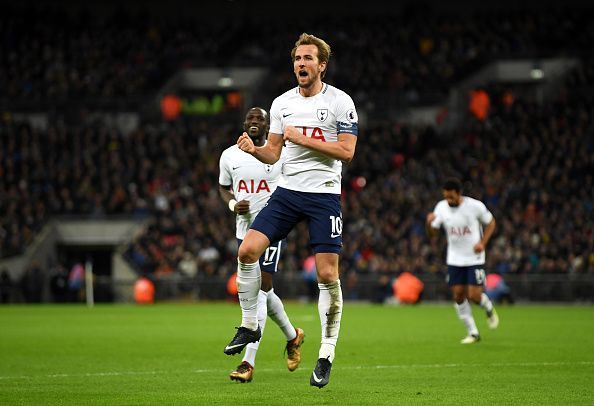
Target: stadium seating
{"type": "Point", "coordinates": [530, 161]}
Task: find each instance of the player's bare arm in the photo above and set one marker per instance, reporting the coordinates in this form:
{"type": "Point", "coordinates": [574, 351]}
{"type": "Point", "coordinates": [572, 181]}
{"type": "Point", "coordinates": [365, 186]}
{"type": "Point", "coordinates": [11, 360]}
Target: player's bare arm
{"type": "Point", "coordinates": [343, 149]}
{"type": "Point", "coordinates": [487, 233]}
{"type": "Point", "coordinates": [269, 153]}
{"type": "Point", "coordinates": [432, 232]}
{"type": "Point", "coordinates": [241, 207]}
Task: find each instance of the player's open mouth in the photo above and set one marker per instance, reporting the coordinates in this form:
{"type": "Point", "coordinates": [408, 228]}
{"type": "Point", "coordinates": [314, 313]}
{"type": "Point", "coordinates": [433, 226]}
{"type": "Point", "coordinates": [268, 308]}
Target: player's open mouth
{"type": "Point", "coordinates": [302, 73]}
{"type": "Point", "coordinates": [253, 129]}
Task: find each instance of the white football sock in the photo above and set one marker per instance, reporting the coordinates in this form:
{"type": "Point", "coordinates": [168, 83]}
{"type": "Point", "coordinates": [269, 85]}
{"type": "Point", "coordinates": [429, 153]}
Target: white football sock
{"type": "Point", "coordinates": [248, 286]}
{"type": "Point", "coordinates": [486, 303]}
{"type": "Point", "coordinates": [252, 348]}
{"type": "Point", "coordinates": [465, 314]}
{"type": "Point", "coordinates": [277, 313]}
{"type": "Point", "coordinates": [330, 311]}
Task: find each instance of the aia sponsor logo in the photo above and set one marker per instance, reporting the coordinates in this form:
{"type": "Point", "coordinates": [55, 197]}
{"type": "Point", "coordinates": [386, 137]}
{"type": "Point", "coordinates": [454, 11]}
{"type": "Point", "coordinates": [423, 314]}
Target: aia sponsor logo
{"type": "Point", "coordinates": [313, 132]}
{"type": "Point", "coordinates": [459, 231]}
{"type": "Point", "coordinates": [253, 186]}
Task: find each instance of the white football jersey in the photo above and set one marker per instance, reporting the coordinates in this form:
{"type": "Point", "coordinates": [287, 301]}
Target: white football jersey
{"type": "Point", "coordinates": [463, 226]}
{"type": "Point", "coordinates": [251, 180]}
{"type": "Point", "coordinates": [322, 116]}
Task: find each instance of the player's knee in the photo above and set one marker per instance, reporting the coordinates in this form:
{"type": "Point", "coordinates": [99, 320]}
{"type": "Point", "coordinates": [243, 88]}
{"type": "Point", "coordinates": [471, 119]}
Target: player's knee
{"type": "Point", "coordinates": [327, 275]}
{"type": "Point", "coordinates": [327, 267]}
{"type": "Point", "coordinates": [247, 256]}
{"type": "Point", "coordinates": [247, 253]}
{"type": "Point", "coordinates": [475, 293]}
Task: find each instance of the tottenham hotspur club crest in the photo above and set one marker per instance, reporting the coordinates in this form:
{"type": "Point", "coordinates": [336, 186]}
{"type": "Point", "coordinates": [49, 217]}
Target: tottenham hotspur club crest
{"type": "Point", "coordinates": [322, 114]}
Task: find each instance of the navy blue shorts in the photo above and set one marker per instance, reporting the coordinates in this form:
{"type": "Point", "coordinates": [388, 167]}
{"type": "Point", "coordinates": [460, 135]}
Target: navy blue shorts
{"type": "Point", "coordinates": [269, 260]}
{"type": "Point", "coordinates": [286, 208]}
{"type": "Point", "coordinates": [466, 275]}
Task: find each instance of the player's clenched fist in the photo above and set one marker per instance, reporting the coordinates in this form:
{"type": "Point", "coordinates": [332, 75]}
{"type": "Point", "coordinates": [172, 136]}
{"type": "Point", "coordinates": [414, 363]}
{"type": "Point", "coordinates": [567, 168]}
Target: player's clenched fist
{"type": "Point", "coordinates": [293, 135]}
{"type": "Point", "coordinates": [245, 143]}
{"type": "Point", "coordinates": [242, 207]}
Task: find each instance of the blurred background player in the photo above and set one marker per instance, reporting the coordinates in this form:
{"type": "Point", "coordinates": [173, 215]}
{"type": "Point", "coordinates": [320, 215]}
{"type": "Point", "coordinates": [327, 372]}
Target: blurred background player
{"type": "Point", "coordinates": [319, 125]}
{"type": "Point", "coordinates": [462, 219]}
{"type": "Point", "coordinates": [245, 184]}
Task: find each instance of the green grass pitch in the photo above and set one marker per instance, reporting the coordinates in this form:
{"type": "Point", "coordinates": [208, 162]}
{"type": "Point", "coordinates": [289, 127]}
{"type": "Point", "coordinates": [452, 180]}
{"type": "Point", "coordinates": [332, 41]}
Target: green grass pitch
{"type": "Point", "coordinates": [173, 354]}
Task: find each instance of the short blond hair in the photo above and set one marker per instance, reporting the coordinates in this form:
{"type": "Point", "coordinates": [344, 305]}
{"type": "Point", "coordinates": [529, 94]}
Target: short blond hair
{"type": "Point", "coordinates": [324, 50]}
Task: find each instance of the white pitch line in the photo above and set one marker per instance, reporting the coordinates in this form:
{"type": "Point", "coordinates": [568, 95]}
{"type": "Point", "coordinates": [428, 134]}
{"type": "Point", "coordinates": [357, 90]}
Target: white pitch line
{"type": "Point", "coordinates": [397, 366]}
{"type": "Point", "coordinates": [495, 364]}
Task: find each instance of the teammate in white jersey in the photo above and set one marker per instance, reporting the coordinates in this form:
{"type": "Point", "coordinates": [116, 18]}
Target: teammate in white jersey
{"type": "Point", "coordinates": [318, 125]}
{"type": "Point", "coordinates": [463, 219]}
{"type": "Point", "coordinates": [245, 185]}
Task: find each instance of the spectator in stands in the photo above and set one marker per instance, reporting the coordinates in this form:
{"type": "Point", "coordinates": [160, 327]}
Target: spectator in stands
{"type": "Point", "coordinates": [383, 289]}
{"type": "Point", "coordinates": [59, 284]}
{"type": "Point", "coordinates": [479, 104]}
{"type": "Point", "coordinates": [32, 283]}
{"type": "Point", "coordinates": [5, 286]}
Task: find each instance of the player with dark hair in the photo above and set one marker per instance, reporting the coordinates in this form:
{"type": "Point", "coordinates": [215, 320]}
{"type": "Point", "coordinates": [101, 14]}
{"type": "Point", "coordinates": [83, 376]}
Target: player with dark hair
{"type": "Point", "coordinates": [463, 219]}
{"type": "Point", "coordinates": [319, 125]}
{"type": "Point", "coordinates": [245, 185]}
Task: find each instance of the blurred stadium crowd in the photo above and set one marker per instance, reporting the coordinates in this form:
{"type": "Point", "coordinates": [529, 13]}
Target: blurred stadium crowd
{"type": "Point", "coordinates": [413, 55]}
{"type": "Point", "coordinates": [531, 161]}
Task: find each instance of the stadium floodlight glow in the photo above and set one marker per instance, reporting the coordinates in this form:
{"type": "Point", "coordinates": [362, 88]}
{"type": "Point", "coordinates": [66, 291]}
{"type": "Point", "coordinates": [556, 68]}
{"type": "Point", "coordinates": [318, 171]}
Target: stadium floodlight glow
{"type": "Point", "coordinates": [225, 81]}
{"type": "Point", "coordinates": [536, 73]}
